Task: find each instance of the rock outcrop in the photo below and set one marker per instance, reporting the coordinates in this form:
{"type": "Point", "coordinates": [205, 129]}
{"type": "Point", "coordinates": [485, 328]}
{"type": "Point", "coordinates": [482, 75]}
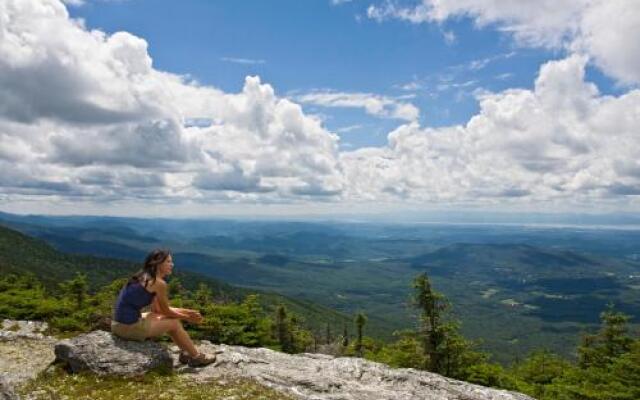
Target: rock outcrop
{"type": "Point", "coordinates": [106, 354]}
{"type": "Point", "coordinates": [11, 330]}
{"type": "Point", "coordinates": [323, 377]}
{"type": "Point", "coordinates": [24, 352]}
{"type": "Point", "coordinates": [6, 390]}
{"type": "Point", "coordinates": [304, 376]}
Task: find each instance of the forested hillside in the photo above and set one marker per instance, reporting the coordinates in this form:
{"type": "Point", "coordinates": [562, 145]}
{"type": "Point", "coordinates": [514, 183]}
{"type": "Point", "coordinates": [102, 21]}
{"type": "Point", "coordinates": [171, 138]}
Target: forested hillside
{"type": "Point", "coordinates": [21, 254]}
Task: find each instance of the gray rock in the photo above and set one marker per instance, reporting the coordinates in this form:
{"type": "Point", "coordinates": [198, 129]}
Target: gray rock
{"type": "Point", "coordinates": [6, 390]}
{"type": "Point", "coordinates": [12, 329]}
{"type": "Point", "coordinates": [324, 377]}
{"type": "Point", "coordinates": [105, 354]}
{"type": "Point", "coordinates": [304, 376]}
{"type": "Point", "coordinates": [24, 351]}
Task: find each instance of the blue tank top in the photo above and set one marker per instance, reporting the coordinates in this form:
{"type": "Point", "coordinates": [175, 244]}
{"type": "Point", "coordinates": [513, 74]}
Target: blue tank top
{"type": "Point", "coordinates": [131, 300]}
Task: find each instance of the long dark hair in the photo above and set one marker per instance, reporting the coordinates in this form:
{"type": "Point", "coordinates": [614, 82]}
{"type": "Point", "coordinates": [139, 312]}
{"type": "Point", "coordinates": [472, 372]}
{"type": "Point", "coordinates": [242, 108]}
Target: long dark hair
{"type": "Point", "coordinates": [150, 268]}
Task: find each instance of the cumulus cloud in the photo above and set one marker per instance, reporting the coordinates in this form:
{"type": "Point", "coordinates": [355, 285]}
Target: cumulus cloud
{"type": "Point", "coordinates": [583, 26]}
{"type": "Point", "coordinates": [85, 115]}
{"type": "Point", "coordinates": [377, 105]}
{"type": "Point", "coordinates": [560, 141]}
{"type": "Point", "coordinates": [82, 111]}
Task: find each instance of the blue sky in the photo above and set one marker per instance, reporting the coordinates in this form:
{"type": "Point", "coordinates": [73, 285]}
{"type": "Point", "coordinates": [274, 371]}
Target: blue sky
{"type": "Point", "coordinates": [300, 46]}
{"type": "Point", "coordinates": [201, 107]}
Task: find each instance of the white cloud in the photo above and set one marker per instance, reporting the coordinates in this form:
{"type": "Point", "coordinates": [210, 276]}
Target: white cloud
{"type": "Point", "coordinates": [74, 2]}
{"type": "Point", "coordinates": [483, 62]}
{"type": "Point", "coordinates": [350, 128]}
{"type": "Point", "coordinates": [76, 102]}
{"type": "Point", "coordinates": [411, 86]}
{"type": "Point", "coordinates": [85, 117]}
{"type": "Point", "coordinates": [504, 76]}
{"type": "Point", "coordinates": [605, 30]}
{"type": "Point", "coordinates": [449, 37]}
{"type": "Point", "coordinates": [248, 61]}
{"type": "Point", "coordinates": [373, 104]}
{"type": "Point", "coordinates": [560, 142]}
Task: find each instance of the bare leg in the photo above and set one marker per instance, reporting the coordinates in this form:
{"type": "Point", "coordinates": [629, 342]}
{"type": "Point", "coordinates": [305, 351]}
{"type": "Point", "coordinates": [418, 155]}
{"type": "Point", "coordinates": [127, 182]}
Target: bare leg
{"type": "Point", "coordinates": [159, 325]}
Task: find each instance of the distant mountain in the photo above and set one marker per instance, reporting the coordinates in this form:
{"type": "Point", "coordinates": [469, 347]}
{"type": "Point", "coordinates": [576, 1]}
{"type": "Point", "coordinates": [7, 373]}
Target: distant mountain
{"type": "Point", "coordinates": [471, 257]}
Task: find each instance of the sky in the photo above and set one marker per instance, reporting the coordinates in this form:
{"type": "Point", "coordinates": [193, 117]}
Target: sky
{"type": "Point", "coordinates": [204, 108]}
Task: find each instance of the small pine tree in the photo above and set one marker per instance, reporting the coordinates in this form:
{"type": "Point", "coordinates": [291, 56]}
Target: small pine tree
{"type": "Point", "coordinates": [203, 294]}
{"type": "Point", "coordinates": [432, 306]}
{"type": "Point", "coordinates": [540, 369]}
{"type": "Point", "coordinates": [360, 320]}
{"type": "Point", "coordinates": [77, 288]}
{"type": "Point", "coordinates": [283, 329]}
{"type": "Point", "coordinates": [445, 350]}
{"type": "Point", "coordinates": [602, 348]}
{"type": "Point", "coordinates": [345, 336]}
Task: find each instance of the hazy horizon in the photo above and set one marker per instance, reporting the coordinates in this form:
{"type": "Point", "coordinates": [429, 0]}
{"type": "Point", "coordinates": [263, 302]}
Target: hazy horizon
{"type": "Point", "coordinates": [542, 220]}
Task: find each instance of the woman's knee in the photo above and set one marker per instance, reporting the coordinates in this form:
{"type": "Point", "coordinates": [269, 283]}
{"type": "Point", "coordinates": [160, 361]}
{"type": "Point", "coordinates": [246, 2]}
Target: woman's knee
{"type": "Point", "coordinates": [175, 326]}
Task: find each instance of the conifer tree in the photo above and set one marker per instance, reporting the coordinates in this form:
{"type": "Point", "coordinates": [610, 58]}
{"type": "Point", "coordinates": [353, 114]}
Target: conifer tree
{"type": "Point", "coordinates": [77, 288]}
{"type": "Point", "coordinates": [444, 348]}
{"type": "Point", "coordinates": [293, 331]}
{"type": "Point", "coordinates": [432, 306]}
{"type": "Point", "coordinates": [328, 334]}
{"type": "Point", "coordinates": [283, 329]}
{"type": "Point", "coordinates": [602, 348]}
{"type": "Point", "coordinates": [345, 336]}
{"type": "Point", "coordinates": [203, 294]}
{"type": "Point", "coordinates": [361, 320]}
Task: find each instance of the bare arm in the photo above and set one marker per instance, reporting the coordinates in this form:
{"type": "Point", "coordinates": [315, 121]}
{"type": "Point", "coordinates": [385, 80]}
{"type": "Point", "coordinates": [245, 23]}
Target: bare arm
{"type": "Point", "coordinates": [155, 307]}
{"type": "Point", "coordinates": [160, 303]}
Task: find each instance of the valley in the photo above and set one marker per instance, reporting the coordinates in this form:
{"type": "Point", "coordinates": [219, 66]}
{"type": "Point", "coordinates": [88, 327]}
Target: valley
{"type": "Point", "coordinates": [515, 287]}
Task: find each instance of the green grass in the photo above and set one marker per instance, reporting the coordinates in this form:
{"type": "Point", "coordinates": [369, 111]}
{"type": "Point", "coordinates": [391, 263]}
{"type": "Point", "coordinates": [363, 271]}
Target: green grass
{"type": "Point", "coordinates": [58, 384]}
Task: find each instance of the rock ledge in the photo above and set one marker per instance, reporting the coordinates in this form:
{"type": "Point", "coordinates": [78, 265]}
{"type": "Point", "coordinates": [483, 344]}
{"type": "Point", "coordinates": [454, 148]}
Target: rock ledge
{"type": "Point", "coordinates": [304, 376]}
{"type": "Point", "coordinates": [322, 377]}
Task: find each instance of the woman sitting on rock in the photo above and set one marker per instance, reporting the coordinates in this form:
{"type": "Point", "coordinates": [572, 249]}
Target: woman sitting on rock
{"type": "Point", "coordinates": [148, 287]}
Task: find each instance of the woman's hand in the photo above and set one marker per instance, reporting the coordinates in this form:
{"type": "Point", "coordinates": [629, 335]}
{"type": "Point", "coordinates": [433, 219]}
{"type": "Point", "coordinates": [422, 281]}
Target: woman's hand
{"type": "Point", "coordinates": [192, 316]}
{"type": "Point", "coordinates": [195, 318]}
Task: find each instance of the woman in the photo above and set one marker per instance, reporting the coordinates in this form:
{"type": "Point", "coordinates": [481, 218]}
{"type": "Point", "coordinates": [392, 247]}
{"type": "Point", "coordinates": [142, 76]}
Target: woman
{"type": "Point", "coordinates": [148, 287]}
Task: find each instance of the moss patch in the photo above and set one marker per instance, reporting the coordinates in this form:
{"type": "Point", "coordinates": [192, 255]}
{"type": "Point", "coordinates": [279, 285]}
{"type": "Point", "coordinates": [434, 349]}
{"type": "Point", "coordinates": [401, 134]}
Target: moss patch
{"type": "Point", "coordinates": [57, 384]}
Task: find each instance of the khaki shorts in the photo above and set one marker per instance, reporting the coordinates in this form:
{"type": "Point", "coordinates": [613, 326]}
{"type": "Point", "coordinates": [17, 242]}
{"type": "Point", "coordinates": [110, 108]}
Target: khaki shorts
{"type": "Point", "coordinates": [137, 331]}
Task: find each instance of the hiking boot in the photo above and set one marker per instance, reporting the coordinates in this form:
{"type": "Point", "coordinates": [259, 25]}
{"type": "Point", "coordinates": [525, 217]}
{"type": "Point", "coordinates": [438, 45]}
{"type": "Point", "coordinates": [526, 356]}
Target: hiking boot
{"type": "Point", "coordinates": [184, 357]}
{"type": "Point", "coordinates": [201, 360]}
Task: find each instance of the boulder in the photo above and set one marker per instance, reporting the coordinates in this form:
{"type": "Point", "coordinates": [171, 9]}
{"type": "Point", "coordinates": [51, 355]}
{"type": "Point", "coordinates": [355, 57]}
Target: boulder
{"type": "Point", "coordinates": [324, 377]}
{"type": "Point", "coordinates": [106, 354]}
